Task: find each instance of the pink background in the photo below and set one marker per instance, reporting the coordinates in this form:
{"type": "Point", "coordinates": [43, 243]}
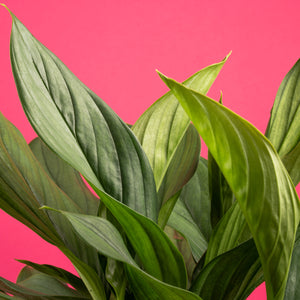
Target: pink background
{"type": "Point", "coordinates": [114, 47]}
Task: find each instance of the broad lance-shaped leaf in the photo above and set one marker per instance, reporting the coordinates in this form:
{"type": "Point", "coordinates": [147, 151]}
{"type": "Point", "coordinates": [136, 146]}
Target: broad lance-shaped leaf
{"type": "Point", "coordinates": [59, 274]}
{"type": "Point", "coordinates": [257, 178]}
{"type": "Point", "coordinates": [65, 177]}
{"type": "Point", "coordinates": [284, 125]}
{"type": "Point", "coordinates": [47, 285]}
{"type": "Point", "coordinates": [162, 129]}
{"type": "Point", "coordinates": [25, 187]}
{"type": "Point", "coordinates": [79, 126]}
{"type": "Point", "coordinates": [232, 275]}
{"type": "Point", "coordinates": [87, 134]}
{"type": "Point", "coordinates": [102, 235]}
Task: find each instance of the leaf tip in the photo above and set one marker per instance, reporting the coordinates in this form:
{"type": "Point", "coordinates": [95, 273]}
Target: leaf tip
{"type": "Point", "coordinates": [5, 6]}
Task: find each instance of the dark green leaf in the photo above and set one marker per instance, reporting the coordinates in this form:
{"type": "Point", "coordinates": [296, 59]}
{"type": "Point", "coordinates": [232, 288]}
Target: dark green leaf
{"type": "Point", "coordinates": [47, 285]}
{"type": "Point", "coordinates": [102, 235]}
{"type": "Point", "coordinates": [195, 196]}
{"type": "Point", "coordinates": [230, 276]}
{"type": "Point", "coordinates": [25, 186]}
{"type": "Point", "coordinates": [220, 193]}
{"type": "Point", "coordinates": [65, 177]}
{"type": "Point", "coordinates": [87, 134]}
{"type": "Point", "coordinates": [292, 291]}
{"type": "Point", "coordinates": [257, 178]}
{"type": "Point", "coordinates": [292, 163]}
{"type": "Point", "coordinates": [59, 274]}
{"type": "Point", "coordinates": [79, 126]}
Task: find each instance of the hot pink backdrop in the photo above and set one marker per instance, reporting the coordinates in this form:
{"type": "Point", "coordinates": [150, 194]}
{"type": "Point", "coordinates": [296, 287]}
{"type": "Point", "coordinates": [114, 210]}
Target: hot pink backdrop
{"type": "Point", "coordinates": [114, 47]}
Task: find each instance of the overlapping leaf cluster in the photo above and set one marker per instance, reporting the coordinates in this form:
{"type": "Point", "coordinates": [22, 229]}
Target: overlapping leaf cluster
{"type": "Point", "coordinates": [166, 223]}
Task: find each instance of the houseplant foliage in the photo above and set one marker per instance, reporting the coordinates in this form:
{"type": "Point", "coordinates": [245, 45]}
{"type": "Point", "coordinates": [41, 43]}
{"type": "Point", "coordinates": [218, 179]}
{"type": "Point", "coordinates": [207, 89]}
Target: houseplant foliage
{"type": "Point", "coordinates": [170, 224]}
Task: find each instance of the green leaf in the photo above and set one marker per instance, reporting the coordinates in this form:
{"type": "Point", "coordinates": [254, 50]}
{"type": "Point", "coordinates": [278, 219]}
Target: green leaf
{"type": "Point", "coordinates": [47, 285]}
{"type": "Point", "coordinates": [162, 131]}
{"type": "Point", "coordinates": [232, 275]}
{"type": "Point", "coordinates": [227, 234]}
{"type": "Point", "coordinates": [115, 275]}
{"type": "Point", "coordinates": [25, 187]}
{"type": "Point", "coordinates": [292, 163]}
{"type": "Point", "coordinates": [220, 193]}
{"type": "Point", "coordinates": [182, 221]}
{"type": "Point", "coordinates": [284, 124]}
{"type": "Point", "coordinates": [87, 134]}
{"type": "Point", "coordinates": [59, 274]}
{"type": "Point", "coordinates": [102, 235]}
{"type": "Point", "coordinates": [292, 291]}
{"type": "Point", "coordinates": [65, 177]}
{"type": "Point", "coordinates": [257, 178]}
{"type": "Point", "coordinates": [77, 125]}
{"type": "Point", "coordinates": [180, 170]}
{"type": "Point", "coordinates": [195, 196]}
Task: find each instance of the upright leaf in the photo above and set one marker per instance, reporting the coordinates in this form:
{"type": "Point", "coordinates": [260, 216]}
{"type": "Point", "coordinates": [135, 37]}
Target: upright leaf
{"type": "Point", "coordinates": [86, 133]}
{"type": "Point", "coordinates": [232, 275]}
{"type": "Point", "coordinates": [284, 124]}
{"type": "Point", "coordinates": [162, 129]}
{"type": "Point", "coordinates": [257, 178]}
{"type": "Point", "coordinates": [78, 125]}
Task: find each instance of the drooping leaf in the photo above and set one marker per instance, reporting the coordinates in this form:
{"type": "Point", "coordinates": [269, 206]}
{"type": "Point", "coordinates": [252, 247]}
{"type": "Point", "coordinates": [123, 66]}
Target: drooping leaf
{"type": "Point", "coordinates": [25, 187]}
{"type": "Point", "coordinates": [102, 235]}
{"type": "Point", "coordinates": [232, 275]}
{"type": "Point", "coordinates": [292, 291]}
{"type": "Point", "coordinates": [257, 178]}
{"type": "Point", "coordinates": [65, 177]}
{"type": "Point", "coordinates": [162, 129]}
{"type": "Point", "coordinates": [284, 124]}
{"type": "Point", "coordinates": [59, 274]}
{"type": "Point", "coordinates": [47, 285]}
{"type": "Point", "coordinates": [86, 133]}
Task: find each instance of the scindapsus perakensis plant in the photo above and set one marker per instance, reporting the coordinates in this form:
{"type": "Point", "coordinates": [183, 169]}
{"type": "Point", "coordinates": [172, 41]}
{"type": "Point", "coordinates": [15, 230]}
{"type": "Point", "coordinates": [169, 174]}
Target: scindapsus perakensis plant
{"type": "Point", "coordinates": [166, 223]}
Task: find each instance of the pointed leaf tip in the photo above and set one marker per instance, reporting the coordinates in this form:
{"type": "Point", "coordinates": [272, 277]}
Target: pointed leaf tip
{"type": "Point", "coordinates": [4, 5]}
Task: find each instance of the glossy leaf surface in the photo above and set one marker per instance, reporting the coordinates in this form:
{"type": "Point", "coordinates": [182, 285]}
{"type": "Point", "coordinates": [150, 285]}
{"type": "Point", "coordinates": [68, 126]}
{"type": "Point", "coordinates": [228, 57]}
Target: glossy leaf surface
{"type": "Point", "coordinates": [257, 178]}
{"type": "Point", "coordinates": [232, 275]}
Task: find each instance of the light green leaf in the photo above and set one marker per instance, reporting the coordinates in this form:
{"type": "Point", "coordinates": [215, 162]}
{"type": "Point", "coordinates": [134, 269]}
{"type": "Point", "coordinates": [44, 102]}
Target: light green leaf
{"type": "Point", "coordinates": [232, 275]}
{"type": "Point", "coordinates": [77, 125]}
{"type": "Point", "coordinates": [228, 233]}
{"type": "Point", "coordinates": [284, 124]}
{"type": "Point", "coordinates": [162, 131]}
{"type": "Point", "coordinates": [257, 178]}
{"type": "Point", "coordinates": [86, 133]}
{"type": "Point", "coordinates": [102, 235]}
